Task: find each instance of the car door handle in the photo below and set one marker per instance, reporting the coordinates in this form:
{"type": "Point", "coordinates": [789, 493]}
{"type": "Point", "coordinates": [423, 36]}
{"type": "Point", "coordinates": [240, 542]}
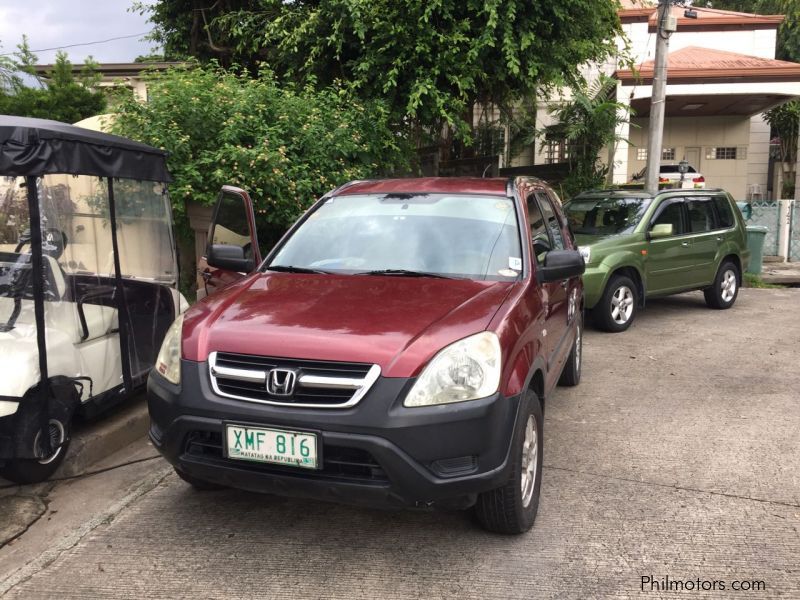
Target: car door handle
{"type": "Point", "coordinates": [720, 238]}
{"type": "Point", "coordinates": [565, 284]}
{"type": "Point", "coordinates": [685, 244]}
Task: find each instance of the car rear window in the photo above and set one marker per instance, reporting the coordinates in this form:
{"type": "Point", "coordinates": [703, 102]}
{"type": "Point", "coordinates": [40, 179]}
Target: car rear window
{"type": "Point", "coordinates": [675, 169]}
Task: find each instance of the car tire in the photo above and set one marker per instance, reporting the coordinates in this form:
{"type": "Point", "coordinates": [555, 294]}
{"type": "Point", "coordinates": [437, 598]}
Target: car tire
{"type": "Point", "coordinates": [725, 289]}
{"type": "Point", "coordinates": [199, 484]}
{"type": "Point", "coordinates": [571, 375]}
{"type": "Point", "coordinates": [618, 305]}
{"type": "Point", "coordinates": [511, 508]}
{"type": "Point", "coordinates": [31, 470]}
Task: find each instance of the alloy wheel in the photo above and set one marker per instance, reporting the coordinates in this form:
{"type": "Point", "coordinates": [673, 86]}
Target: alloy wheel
{"type": "Point", "coordinates": [728, 286]}
{"type": "Point", "coordinates": [622, 305]}
{"type": "Point", "coordinates": [530, 460]}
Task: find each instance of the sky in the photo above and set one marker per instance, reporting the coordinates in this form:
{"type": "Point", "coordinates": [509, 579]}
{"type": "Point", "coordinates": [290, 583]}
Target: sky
{"type": "Point", "coordinates": [52, 23]}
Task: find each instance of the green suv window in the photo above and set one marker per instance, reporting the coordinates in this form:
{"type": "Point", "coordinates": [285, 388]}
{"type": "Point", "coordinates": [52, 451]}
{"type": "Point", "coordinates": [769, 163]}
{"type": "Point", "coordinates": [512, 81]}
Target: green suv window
{"type": "Point", "coordinates": [605, 216]}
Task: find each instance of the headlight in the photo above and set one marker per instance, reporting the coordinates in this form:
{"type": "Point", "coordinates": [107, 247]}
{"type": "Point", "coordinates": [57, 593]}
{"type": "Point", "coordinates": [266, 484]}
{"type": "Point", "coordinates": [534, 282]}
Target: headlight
{"type": "Point", "coordinates": [586, 253]}
{"type": "Point", "coordinates": [168, 363]}
{"type": "Point", "coordinates": [465, 370]}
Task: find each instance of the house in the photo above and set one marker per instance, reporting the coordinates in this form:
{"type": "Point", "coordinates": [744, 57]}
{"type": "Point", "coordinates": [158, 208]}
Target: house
{"type": "Point", "coordinates": [722, 77]}
{"type": "Point", "coordinates": [129, 75]}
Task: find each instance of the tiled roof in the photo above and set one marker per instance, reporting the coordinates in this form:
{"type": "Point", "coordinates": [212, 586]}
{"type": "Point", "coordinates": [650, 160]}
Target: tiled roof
{"type": "Point", "coordinates": [704, 63]}
{"type": "Point", "coordinates": [641, 11]}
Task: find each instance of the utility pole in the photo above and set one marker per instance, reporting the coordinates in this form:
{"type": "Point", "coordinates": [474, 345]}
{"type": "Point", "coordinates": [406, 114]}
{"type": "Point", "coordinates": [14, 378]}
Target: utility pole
{"type": "Point", "coordinates": [655, 140]}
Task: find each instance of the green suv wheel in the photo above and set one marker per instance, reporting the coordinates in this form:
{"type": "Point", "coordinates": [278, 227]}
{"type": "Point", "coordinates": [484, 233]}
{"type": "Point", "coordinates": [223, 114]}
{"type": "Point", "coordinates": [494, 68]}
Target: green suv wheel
{"type": "Point", "coordinates": [725, 289]}
{"type": "Point", "coordinates": [618, 305]}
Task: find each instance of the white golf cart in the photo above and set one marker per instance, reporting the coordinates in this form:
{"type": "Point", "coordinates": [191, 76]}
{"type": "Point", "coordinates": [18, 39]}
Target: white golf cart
{"type": "Point", "coordinates": [88, 282]}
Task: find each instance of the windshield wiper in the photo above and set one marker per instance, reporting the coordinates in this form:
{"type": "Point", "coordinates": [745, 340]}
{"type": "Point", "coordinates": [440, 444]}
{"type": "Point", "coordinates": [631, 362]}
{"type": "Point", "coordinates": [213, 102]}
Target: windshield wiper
{"type": "Point", "coordinates": [292, 269]}
{"type": "Point", "coordinates": [406, 273]}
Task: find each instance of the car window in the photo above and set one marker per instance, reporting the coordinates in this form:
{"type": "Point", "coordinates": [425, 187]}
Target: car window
{"type": "Point", "coordinates": [456, 235]}
{"type": "Point", "coordinates": [676, 169]}
{"type": "Point", "coordinates": [701, 215]}
{"type": "Point", "coordinates": [232, 227]}
{"type": "Point", "coordinates": [553, 224]}
{"type": "Point", "coordinates": [539, 238]}
{"type": "Point", "coordinates": [671, 213]}
{"type": "Point", "coordinates": [605, 216]}
{"type": "Point", "coordinates": [724, 212]}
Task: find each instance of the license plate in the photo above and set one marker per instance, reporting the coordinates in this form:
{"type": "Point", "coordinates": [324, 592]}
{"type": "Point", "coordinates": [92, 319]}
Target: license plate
{"type": "Point", "coordinates": [274, 446]}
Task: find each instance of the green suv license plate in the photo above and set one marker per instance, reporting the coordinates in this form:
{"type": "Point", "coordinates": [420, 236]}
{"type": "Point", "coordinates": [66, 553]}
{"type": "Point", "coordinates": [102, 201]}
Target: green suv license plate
{"type": "Point", "coordinates": [274, 446]}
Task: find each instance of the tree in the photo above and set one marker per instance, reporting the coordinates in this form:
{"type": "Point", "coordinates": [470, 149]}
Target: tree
{"type": "Point", "coordinates": [785, 120]}
{"type": "Point", "coordinates": [431, 62]}
{"type": "Point", "coordinates": [62, 97]}
{"type": "Point", "coordinates": [286, 145]}
{"type": "Point", "coordinates": [587, 123]}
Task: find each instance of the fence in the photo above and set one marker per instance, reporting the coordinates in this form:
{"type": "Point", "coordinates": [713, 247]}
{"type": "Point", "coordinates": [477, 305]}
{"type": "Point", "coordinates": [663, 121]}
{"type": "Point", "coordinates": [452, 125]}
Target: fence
{"type": "Point", "coordinates": [794, 233]}
{"type": "Point", "coordinates": [768, 215]}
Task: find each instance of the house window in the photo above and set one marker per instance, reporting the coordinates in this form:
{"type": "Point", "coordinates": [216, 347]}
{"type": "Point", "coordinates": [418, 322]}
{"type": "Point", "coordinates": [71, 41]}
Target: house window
{"type": "Point", "coordinates": [491, 141]}
{"type": "Point", "coordinates": [668, 154]}
{"type": "Point", "coordinates": [556, 152]}
{"type": "Point", "coordinates": [641, 154]}
{"type": "Point", "coordinates": [725, 153]}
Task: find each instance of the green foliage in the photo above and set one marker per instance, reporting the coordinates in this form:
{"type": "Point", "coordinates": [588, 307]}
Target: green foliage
{"type": "Point", "coordinates": [63, 97]}
{"type": "Point", "coordinates": [789, 32]}
{"type": "Point", "coordinates": [587, 123]}
{"type": "Point", "coordinates": [785, 120]}
{"type": "Point", "coordinates": [430, 61]}
{"type": "Point", "coordinates": [286, 145]}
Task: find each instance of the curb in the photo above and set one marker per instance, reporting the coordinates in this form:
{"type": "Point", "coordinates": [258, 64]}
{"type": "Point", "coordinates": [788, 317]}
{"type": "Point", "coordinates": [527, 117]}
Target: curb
{"type": "Point", "coordinates": [97, 439]}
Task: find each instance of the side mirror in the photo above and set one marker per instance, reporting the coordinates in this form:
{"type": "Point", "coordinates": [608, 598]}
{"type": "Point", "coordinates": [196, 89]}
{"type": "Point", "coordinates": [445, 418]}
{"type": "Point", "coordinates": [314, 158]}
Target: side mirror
{"type": "Point", "coordinates": [662, 230]}
{"type": "Point", "coordinates": [560, 265]}
{"type": "Point", "coordinates": [229, 258]}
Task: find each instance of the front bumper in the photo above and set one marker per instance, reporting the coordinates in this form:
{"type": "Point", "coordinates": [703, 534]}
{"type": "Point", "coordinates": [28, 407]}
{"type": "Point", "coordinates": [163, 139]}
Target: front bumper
{"type": "Point", "coordinates": [377, 453]}
{"type": "Point", "coordinates": [594, 282]}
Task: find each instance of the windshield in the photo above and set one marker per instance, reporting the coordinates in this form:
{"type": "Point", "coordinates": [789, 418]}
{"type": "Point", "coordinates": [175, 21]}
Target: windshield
{"type": "Point", "coordinates": [465, 236]}
{"type": "Point", "coordinates": [605, 216]}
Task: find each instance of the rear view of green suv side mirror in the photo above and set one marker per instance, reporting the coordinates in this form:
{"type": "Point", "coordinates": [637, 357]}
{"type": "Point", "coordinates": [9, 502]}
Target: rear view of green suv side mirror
{"type": "Point", "coordinates": [661, 230]}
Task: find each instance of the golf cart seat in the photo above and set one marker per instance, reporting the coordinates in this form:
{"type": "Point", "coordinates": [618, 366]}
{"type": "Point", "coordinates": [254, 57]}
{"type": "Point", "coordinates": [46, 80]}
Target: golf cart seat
{"type": "Point", "coordinates": [69, 316]}
{"type": "Point", "coordinates": [99, 320]}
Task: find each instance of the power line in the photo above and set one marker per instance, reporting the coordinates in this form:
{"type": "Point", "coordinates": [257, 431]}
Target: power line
{"type": "Point", "coordinates": [121, 37]}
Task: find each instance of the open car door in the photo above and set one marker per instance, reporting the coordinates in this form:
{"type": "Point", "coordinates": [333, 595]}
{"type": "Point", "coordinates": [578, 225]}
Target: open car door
{"type": "Point", "coordinates": [232, 250]}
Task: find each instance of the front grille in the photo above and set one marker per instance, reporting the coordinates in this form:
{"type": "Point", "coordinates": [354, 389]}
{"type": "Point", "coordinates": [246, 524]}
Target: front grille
{"type": "Point", "coordinates": [339, 463]}
{"type": "Point", "coordinates": [318, 384]}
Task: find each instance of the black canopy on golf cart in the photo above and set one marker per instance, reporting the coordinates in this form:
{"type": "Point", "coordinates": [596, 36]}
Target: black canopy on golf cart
{"type": "Point", "coordinates": [88, 280]}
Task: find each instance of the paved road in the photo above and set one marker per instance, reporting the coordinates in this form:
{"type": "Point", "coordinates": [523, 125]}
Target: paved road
{"type": "Point", "coordinates": [678, 456]}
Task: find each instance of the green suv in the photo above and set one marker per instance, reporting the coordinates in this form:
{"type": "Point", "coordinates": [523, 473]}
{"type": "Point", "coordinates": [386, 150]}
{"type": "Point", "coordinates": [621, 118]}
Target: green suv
{"type": "Point", "coordinates": [639, 246]}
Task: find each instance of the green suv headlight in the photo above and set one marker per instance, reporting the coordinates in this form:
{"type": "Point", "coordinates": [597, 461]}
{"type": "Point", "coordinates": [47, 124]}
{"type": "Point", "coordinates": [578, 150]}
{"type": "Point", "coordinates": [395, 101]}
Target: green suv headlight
{"type": "Point", "coordinates": [586, 253]}
{"type": "Point", "coordinates": [465, 370]}
{"type": "Point", "coordinates": [168, 363]}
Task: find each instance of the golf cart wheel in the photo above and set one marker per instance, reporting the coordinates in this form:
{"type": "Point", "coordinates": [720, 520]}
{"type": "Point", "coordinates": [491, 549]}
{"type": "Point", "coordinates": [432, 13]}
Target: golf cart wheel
{"type": "Point", "coordinates": [617, 307]}
{"type": "Point", "coordinates": [199, 484]}
{"type": "Point", "coordinates": [36, 470]}
{"type": "Point", "coordinates": [725, 289]}
{"type": "Point", "coordinates": [511, 508]}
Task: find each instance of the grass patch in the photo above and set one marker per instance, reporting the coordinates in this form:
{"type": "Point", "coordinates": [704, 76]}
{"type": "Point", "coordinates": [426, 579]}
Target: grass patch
{"type": "Point", "coordinates": [754, 281]}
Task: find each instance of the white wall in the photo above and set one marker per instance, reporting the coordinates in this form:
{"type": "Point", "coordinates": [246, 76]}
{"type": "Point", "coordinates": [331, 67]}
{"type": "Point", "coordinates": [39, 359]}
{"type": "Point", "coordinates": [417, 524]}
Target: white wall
{"type": "Point", "coordinates": [703, 132]}
{"type": "Point", "coordinates": [761, 42]}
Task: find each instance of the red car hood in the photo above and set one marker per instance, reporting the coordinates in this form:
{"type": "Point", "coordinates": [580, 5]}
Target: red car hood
{"type": "Point", "coordinates": [398, 323]}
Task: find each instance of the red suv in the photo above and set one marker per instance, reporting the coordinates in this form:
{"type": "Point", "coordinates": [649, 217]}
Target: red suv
{"type": "Point", "coordinates": [394, 348]}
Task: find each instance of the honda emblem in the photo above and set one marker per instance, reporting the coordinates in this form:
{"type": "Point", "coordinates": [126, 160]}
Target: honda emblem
{"type": "Point", "coordinates": [281, 382]}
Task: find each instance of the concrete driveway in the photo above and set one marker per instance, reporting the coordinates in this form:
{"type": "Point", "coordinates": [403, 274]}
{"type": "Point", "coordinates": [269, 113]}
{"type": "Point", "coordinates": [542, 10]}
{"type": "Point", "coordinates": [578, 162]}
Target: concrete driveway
{"type": "Point", "coordinates": [677, 457]}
